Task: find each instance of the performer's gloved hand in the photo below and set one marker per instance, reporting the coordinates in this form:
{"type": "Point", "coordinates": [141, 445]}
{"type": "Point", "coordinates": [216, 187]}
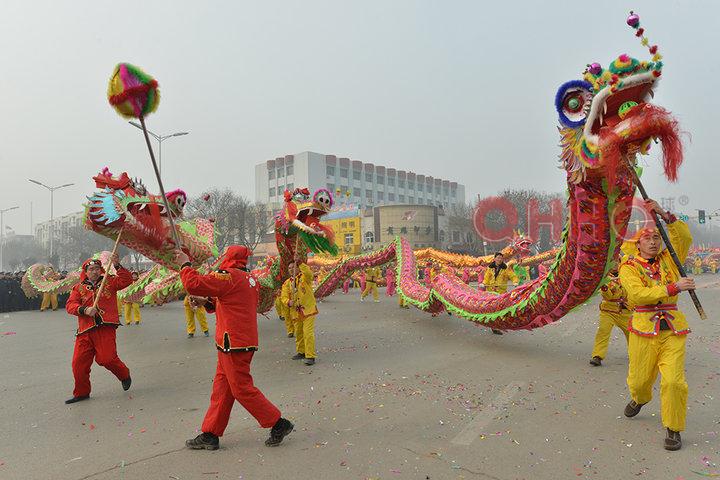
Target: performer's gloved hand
{"type": "Point", "coordinates": [90, 311]}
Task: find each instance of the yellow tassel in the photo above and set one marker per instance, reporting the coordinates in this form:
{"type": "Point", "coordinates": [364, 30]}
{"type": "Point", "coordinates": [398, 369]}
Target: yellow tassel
{"type": "Point", "coordinates": [657, 57]}
{"type": "Point", "coordinates": [644, 41]}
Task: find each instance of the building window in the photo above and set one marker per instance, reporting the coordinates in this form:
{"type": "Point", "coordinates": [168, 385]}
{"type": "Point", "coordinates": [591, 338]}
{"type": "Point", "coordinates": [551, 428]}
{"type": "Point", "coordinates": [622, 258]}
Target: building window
{"type": "Point", "coordinates": [272, 192]}
{"type": "Point", "coordinates": [357, 174]}
{"type": "Point", "coordinates": [368, 177]}
{"type": "Point", "coordinates": [331, 187]}
{"type": "Point", "coordinates": [271, 174]}
{"type": "Point", "coordinates": [381, 196]}
{"type": "Point", "coordinates": [391, 197]}
{"type": "Point", "coordinates": [356, 192]}
{"type": "Point", "coordinates": [420, 187]}
{"type": "Point", "coordinates": [469, 237]}
{"type": "Point", "coordinates": [369, 195]}
{"type": "Point", "coordinates": [380, 180]}
{"type": "Point", "coordinates": [343, 172]}
{"type": "Point", "coordinates": [412, 201]}
{"type": "Point", "coordinates": [456, 237]}
{"type": "Point", "coordinates": [330, 170]}
{"type": "Point", "coordinates": [291, 187]}
{"type": "Point", "coordinates": [411, 185]}
{"type": "Point", "coordinates": [289, 170]}
{"type": "Point", "coordinates": [349, 239]}
{"type": "Point", "coordinates": [401, 183]}
{"type": "Point", "coordinates": [442, 235]}
{"type": "Point", "coordinates": [280, 172]}
{"type": "Point", "coordinates": [369, 237]}
{"type": "Point", "coordinates": [391, 181]}
{"type": "Point", "coordinates": [401, 198]}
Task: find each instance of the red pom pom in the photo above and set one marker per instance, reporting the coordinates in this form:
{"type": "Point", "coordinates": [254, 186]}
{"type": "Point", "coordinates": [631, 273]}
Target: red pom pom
{"type": "Point", "coordinates": [653, 49]}
{"type": "Point", "coordinates": [639, 32]}
{"type": "Point", "coordinates": [206, 197]}
{"type": "Point", "coordinates": [656, 73]}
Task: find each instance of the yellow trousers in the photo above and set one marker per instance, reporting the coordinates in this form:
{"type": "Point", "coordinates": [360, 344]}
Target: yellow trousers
{"type": "Point", "coordinates": [289, 325]}
{"type": "Point", "coordinates": [190, 316]}
{"type": "Point", "coordinates": [697, 270]}
{"type": "Point", "coordinates": [370, 287]}
{"type": "Point", "coordinates": [608, 320]}
{"type": "Point", "coordinates": [305, 336]}
{"type": "Point", "coordinates": [132, 310]}
{"type": "Point", "coordinates": [49, 299]}
{"type": "Point", "coordinates": [664, 353]}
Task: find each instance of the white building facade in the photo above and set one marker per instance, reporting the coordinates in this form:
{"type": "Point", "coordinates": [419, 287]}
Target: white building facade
{"type": "Point", "coordinates": [62, 226]}
{"type": "Point", "coordinates": [355, 183]}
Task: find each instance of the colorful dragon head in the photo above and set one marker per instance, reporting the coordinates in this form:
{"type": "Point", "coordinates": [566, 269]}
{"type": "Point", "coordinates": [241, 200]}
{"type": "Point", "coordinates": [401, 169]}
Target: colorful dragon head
{"type": "Point", "coordinates": [519, 245]}
{"type": "Point", "coordinates": [298, 226]}
{"type": "Point", "coordinates": [124, 204]}
{"type": "Point", "coordinates": [607, 116]}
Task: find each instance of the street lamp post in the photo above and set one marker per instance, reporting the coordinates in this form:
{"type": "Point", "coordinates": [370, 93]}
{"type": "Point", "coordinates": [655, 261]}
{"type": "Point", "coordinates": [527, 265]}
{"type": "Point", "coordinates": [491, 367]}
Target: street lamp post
{"type": "Point", "coordinates": [160, 139]}
{"type": "Point", "coordinates": [52, 206]}
{"type": "Point", "coordinates": [2, 235]}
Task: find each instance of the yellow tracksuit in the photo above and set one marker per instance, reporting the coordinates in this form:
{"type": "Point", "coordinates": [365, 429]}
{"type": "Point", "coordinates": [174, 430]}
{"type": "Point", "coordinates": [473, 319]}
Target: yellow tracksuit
{"type": "Point", "coordinates": [281, 302]}
{"type": "Point", "coordinates": [697, 266]}
{"type": "Point", "coordinates": [653, 297]}
{"type": "Point", "coordinates": [499, 284]}
{"type": "Point", "coordinates": [49, 300]}
{"type": "Point", "coordinates": [372, 275]}
{"type": "Point", "coordinates": [713, 266]}
{"type": "Point", "coordinates": [191, 314]}
{"type": "Point", "coordinates": [613, 313]}
{"type": "Point", "coordinates": [300, 299]}
{"type": "Point", "coordinates": [132, 310]}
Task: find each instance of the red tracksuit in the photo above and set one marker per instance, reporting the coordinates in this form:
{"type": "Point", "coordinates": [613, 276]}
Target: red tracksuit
{"type": "Point", "coordinates": [235, 301]}
{"type": "Point", "coordinates": [96, 340]}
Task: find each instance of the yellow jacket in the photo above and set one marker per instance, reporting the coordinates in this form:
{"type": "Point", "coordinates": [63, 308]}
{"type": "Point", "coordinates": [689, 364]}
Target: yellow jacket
{"type": "Point", "coordinates": [299, 291]}
{"type": "Point", "coordinates": [644, 291]}
{"type": "Point", "coordinates": [372, 275]}
{"type": "Point", "coordinates": [499, 284]}
{"type": "Point", "coordinates": [698, 262]}
{"type": "Point", "coordinates": [613, 297]}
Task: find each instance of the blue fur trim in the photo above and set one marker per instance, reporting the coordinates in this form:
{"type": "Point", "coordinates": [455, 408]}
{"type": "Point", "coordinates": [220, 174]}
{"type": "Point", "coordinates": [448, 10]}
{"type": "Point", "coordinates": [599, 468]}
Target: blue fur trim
{"type": "Point", "coordinates": [560, 96]}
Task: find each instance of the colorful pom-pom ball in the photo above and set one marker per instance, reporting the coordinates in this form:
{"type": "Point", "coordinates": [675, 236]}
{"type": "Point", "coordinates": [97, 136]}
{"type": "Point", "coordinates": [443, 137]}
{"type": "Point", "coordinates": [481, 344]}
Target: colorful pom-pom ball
{"type": "Point", "coordinates": [633, 19]}
{"type": "Point", "coordinates": [595, 68]}
{"type": "Point", "coordinates": [132, 92]}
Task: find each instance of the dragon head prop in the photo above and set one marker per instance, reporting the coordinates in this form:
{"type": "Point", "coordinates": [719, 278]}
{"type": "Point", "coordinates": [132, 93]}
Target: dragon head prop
{"type": "Point", "coordinates": [300, 218]}
{"type": "Point", "coordinates": [520, 245]}
{"type": "Point", "coordinates": [124, 204]}
{"type": "Point", "coordinates": [607, 116]}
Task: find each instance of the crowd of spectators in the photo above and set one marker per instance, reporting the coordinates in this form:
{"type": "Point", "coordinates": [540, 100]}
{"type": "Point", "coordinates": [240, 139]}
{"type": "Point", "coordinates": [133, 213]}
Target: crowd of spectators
{"type": "Point", "coordinates": [13, 299]}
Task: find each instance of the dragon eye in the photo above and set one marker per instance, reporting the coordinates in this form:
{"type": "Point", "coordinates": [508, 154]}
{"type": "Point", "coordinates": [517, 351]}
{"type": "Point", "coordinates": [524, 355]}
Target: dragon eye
{"type": "Point", "coordinates": [572, 101]}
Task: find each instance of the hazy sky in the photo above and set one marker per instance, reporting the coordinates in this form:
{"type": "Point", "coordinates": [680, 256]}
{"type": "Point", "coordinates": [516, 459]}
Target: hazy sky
{"type": "Point", "coordinates": [456, 89]}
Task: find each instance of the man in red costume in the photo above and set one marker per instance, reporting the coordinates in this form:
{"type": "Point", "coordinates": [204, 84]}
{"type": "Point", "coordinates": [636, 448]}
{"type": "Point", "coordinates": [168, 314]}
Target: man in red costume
{"type": "Point", "coordinates": [233, 296]}
{"type": "Point", "coordinates": [95, 337]}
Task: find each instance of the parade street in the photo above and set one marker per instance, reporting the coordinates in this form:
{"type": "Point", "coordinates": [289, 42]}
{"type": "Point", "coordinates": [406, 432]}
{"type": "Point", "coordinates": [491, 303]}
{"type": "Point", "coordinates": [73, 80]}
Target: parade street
{"type": "Point", "coordinates": [395, 394]}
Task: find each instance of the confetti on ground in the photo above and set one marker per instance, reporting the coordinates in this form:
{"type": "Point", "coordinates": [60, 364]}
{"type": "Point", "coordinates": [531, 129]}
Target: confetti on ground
{"type": "Point", "coordinates": [9, 333]}
{"type": "Point", "coordinates": [706, 474]}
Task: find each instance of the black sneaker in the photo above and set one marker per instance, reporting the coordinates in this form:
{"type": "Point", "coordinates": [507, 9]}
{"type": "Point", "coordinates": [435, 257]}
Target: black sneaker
{"type": "Point", "coordinates": [633, 408]}
{"type": "Point", "coordinates": [497, 332]}
{"type": "Point", "coordinates": [672, 441]}
{"type": "Point", "coordinates": [126, 383]}
{"type": "Point", "coordinates": [204, 441]}
{"type": "Point", "coordinates": [76, 399]}
{"type": "Point", "coordinates": [309, 361]}
{"type": "Point", "coordinates": [291, 335]}
{"type": "Point", "coordinates": [280, 430]}
{"type": "Point", "coordinates": [298, 356]}
{"type": "Point", "coordinates": [596, 361]}
{"type": "Point", "coordinates": [206, 333]}
{"type": "Point", "coordinates": [191, 335]}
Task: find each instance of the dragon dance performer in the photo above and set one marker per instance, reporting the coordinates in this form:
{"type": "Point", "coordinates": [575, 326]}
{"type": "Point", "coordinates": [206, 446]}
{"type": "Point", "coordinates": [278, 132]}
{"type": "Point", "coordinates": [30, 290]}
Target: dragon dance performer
{"type": "Point", "coordinates": [657, 327]}
{"type": "Point", "coordinates": [713, 266]}
{"type": "Point", "coordinates": [95, 337]}
{"type": "Point", "coordinates": [132, 309]}
{"type": "Point", "coordinates": [193, 311]}
{"type": "Point", "coordinates": [497, 275]}
{"type": "Point", "coordinates": [50, 299]}
{"type": "Point", "coordinates": [233, 293]}
{"type": "Point", "coordinates": [613, 313]}
{"type": "Point", "coordinates": [697, 266]}
{"type": "Point", "coordinates": [372, 275]}
{"type": "Point", "coordinates": [302, 307]}
{"type": "Point", "coordinates": [281, 303]}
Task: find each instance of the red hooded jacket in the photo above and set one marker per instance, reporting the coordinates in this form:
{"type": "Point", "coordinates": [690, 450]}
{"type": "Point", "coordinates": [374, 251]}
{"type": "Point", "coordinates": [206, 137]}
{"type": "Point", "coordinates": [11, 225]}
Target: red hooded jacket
{"type": "Point", "coordinates": [83, 295]}
{"type": "Point", "coordinates": [234, 299]}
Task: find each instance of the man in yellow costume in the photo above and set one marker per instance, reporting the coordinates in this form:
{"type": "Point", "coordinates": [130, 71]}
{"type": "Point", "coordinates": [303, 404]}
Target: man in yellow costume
{"type": "Point", "coordinates": [497, 276]}
{"type": "Point", "coordinates": [194, 308]}
{"type": "Point", "coordinates": [300, 301]}
{"type": "Point", "coordinates": [657, 328]}
{"type": "Point", "coordinates": [713, 266]}
{"type": "Point", "coordinates": [50, 299]}
{"type": "Point", "coordinates": [132, 309]}
{"type": "Point", "coordinates": [285, 313]}
{"type": "Point", "coordinates": [372, 276]}
{"type": "Point", "coordinates": [697, 266]}
{"type": "Point", "coordinates": [613, 313]}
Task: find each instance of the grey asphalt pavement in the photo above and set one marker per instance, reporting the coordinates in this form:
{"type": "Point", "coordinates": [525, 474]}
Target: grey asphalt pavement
{"type": "Point", "coordinates": [396, 394]}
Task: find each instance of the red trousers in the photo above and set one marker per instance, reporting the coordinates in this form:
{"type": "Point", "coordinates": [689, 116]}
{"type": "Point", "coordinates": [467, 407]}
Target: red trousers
{"type": "Point", "coordinates": [97, 344]}
{"type": "Point", "coordinates": [234, 382]}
